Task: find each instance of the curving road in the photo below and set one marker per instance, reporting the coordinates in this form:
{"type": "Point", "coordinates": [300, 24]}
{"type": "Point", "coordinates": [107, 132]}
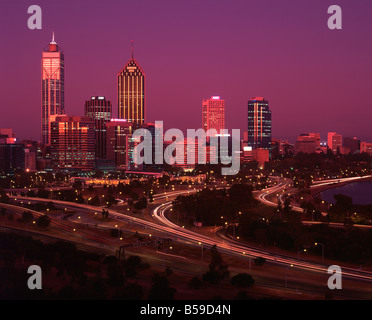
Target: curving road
{"type": "Point", "coordinates": [225, 245]}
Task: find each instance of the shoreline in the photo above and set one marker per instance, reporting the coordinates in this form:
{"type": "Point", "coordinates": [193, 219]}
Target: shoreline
{"type": "Point", "coordinates": [316, 190]}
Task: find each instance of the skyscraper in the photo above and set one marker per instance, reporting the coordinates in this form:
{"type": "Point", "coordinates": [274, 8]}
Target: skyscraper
{"type": "Point", "coordinates": [52, 87]}
{"type": "Point", "coordinates": [131, 93]}
{"type": "Point", "coordinates": [213, 114]}
{"type": "Point", "coordinates": [118, 142]}
{"type": "Point", "coordinates": [259, 124]}
{"type": "Point", "coordinates": [99, 110]}
{"type": "Point", "coordinates": [72, 142]}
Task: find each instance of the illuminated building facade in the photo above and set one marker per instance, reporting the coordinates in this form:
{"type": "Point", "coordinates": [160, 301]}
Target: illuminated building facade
{"type": "Point", "coordinates": [131, 93]}
{"type": "Point", "coordinates": [366, 147]}
{"type": "Point", "coordinates": [213, 114]}
{"type": "Point", "coordinates": [72, 142]}
{"type": "Point", "coordinates": [7, 136]}
{"type": "Point", "coordinates": [30, 155]}
{"type": "Point", "coordinates": [308, 143]}
{"type": "Point", "coordinates": [118, 142]}
{"type": "Point", "coordinates": [190, 150]}
{"type": "Point", "coordinates": [259, 124]}
{"type": "Point", "coordinates": [52, 87]}
{"type": "Point", "coordinates": [99, 110]}
{"type": "Point", "coordinates": [335, 142]}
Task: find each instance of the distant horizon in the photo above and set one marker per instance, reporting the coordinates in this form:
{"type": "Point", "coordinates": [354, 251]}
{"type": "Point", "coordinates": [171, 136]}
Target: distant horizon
{"type": "Point", "coordinates": [315, 79]}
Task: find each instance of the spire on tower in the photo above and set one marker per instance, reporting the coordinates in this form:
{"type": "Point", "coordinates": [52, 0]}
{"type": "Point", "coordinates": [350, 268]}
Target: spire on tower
{"type": "Point", "coordinates": [53, 42]}
{"type": "Point", "coordinates": [132, 50]}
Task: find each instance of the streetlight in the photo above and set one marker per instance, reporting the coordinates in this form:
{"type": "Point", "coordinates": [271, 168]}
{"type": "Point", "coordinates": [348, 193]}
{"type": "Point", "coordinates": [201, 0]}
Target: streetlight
{"type": "Point", "coordinates": [202, 252]}
{"type": "Point", "coordinates": [298, 257]}
{"type": "Point", "coordinates": [320, 244]}
{"type": "Point", "coordinates": [285, 277]}
{"type": "Point", "coordinates": [119, 231]}
{"type": "Point", "coordinates": [298, 253]}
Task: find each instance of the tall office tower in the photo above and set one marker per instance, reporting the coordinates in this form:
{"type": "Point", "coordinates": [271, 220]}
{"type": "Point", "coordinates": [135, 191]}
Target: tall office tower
{"type": "Point", "coordinates": [335, 142]}
{"type": "Point", "coordinates": [131, 93]}
{"type": "Point", "coordinates": [99, 110]}
{"type": "Point", "coordinates": [259, 124]}
{"type": "Point", "coordinates": [118, 137]}
{"type": "Point", "coordinates": [72, 142]}
{"type": "Point", "coordinates": [213, 114]}
{"type": "Point", "coordinates": [52, 87]}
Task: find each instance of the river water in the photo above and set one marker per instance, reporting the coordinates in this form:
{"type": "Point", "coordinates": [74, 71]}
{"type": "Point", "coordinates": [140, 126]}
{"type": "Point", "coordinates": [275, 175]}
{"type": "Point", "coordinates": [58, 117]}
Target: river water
{"type": "Point", "coordinates": [361, 192]}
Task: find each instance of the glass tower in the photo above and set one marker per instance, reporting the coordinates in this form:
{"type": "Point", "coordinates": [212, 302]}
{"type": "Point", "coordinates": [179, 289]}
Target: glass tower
{"type": "Point", "coordinates": [52, 87]}
{"type": "Point", "coordinates": [259, 124]}
{"type": "Point", "coordinates": [99, 110]}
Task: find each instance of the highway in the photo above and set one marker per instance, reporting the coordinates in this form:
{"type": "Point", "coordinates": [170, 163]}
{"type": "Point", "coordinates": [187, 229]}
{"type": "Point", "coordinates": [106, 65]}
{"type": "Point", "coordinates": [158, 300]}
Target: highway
{"type": "Point", "coordinates": [229, 246]}
{"type": "Point", "coordinates": [225, 245]}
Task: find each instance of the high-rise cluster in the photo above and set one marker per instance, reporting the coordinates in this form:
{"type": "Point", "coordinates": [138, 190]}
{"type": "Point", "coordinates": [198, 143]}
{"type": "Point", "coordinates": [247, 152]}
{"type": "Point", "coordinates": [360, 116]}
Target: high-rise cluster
{"type": "Point", "coordinates": [95, 139]}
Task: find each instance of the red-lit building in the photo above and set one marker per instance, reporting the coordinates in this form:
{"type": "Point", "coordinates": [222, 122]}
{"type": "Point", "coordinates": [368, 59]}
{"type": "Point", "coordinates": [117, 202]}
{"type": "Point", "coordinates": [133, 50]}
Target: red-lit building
{"type": "Point", "coordinates": [72, 142]}
{"type": "Point", "coordinates": [52, 87]}
{"type": "Point", "coordinates": [190, 148]}
{"type": "Point", "coordinates": [118, 142]}
{"type": "Point", "coordinates": [366, 147]}
{"type": "Point", "coordinates": [308, 143]}
{"type": "Point", "coordinates": [213, 114]}
{"type": "Point", "coordinates": [30, 155]}
{"type": "Point", "coordinates": [7, 136]}
{"type": "Point", "coordinates": [335, 142]}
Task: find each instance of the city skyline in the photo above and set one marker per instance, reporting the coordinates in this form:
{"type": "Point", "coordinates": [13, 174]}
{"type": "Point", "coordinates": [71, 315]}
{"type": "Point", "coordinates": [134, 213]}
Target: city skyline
{"type": "Point", "coordinates": [314, 73]}
{"type": "Point", "coordinates": [191, 150]}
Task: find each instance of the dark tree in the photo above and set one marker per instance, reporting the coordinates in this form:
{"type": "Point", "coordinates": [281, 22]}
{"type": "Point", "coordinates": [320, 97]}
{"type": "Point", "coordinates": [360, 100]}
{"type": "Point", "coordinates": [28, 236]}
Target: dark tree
{"type": "Point", "coordinates": [160, 289]}
{"type": "Point", "coordinates": [43, 221]}
{"type": "Point", "coordinates": [195, 283]}
{"type": "Point", "coordinates": [27, 216]}
{"type": "Point", "coordinates": [242, 280]}
{"type": "Point", "coordinates": [259, 261]}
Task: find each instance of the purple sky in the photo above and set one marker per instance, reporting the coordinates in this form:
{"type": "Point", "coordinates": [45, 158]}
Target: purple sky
{"type": "Point", "coordinates": [316, 80]}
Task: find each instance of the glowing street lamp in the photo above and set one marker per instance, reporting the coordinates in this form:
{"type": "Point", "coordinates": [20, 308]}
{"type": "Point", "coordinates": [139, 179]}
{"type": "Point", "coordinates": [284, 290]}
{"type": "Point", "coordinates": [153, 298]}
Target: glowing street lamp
{"type": "Point", "coordinates": [202, 255]}
{"type": "Point", "coordinates": [290, 266]}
